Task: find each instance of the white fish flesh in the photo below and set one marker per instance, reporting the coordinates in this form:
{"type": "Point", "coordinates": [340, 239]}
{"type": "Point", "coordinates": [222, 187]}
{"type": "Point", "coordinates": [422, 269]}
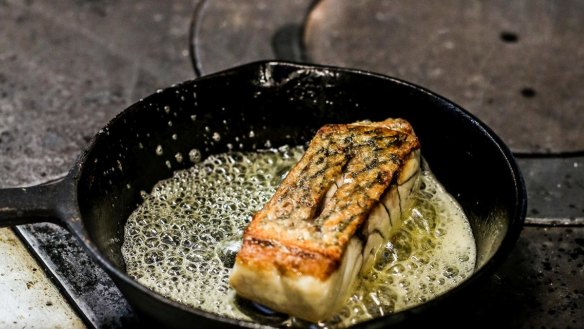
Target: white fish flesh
{"type": "Point", "coordinates": [303, 251]}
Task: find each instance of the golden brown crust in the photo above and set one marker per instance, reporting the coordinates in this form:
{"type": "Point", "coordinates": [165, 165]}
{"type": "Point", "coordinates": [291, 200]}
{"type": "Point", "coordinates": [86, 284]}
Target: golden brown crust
{"type": "Point", "coordinates": [294, 232]}
{"type": "Point", "coordinates": [289, 261]}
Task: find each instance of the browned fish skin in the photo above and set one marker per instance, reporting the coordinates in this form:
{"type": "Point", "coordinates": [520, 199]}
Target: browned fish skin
{"type": "Point", "coordinates": [298, 235]}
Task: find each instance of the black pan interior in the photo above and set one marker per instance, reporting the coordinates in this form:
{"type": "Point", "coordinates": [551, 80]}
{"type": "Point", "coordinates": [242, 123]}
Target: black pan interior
{"type": "Point", "coordinates": [285, 103]}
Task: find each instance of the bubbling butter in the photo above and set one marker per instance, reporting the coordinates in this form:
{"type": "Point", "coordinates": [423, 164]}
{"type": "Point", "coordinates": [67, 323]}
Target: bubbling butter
{"type": "Point", "coordinates": [182, 241]}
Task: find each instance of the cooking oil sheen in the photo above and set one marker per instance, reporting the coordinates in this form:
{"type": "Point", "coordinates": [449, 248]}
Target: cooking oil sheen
{"type": "Point", "coordinates": [182, 241]}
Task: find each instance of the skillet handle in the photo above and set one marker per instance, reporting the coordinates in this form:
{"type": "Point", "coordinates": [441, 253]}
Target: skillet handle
{"type": "Point", "coordinates": [24, 205]}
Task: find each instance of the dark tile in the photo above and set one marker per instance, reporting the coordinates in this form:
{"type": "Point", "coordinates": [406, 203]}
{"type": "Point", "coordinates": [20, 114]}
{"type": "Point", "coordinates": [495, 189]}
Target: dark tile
{"type": "Point", "coordinates": [555, 187]}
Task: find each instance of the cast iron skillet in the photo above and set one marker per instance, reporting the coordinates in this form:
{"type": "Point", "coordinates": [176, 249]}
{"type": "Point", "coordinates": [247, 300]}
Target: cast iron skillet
{"type": "Point", "coordinates": [283, 103]}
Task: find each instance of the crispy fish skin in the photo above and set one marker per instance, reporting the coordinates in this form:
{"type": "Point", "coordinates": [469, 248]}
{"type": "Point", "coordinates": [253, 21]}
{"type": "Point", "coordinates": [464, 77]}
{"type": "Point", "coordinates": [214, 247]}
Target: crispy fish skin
{"type": "Point", "coordinates": [302, 251]}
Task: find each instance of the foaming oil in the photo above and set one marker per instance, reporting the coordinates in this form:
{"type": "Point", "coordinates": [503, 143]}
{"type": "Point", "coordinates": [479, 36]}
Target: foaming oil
{"type": "Point", "coordinates": [182, 241]}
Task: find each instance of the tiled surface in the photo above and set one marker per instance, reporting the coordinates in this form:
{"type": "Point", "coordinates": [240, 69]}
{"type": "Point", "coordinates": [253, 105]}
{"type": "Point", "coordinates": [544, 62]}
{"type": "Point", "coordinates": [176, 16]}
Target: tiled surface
{"type": "Point", "coordinates": [68, 66]}
{"type": "Point", "coordinates": [555, 189]}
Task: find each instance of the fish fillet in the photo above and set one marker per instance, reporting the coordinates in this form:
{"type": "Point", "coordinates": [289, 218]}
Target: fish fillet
{"type": "Point", "coordinates": [302, 252]}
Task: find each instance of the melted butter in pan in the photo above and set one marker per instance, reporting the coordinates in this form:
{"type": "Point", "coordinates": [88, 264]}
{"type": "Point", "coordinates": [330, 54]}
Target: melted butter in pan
{"type": "Point", "coordinates": [181, 242]}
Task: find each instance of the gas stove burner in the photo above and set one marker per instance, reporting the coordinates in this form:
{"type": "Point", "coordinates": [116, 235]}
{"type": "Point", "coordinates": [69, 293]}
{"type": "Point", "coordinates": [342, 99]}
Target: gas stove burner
{"type": "Point", "coordinates": [520, 70]}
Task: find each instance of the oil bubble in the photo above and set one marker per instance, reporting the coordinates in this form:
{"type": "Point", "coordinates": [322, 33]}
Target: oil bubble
{"type": "Point", "coordinates": [178, 157]}
{"type": "Point", "coordinates": [195, 156]}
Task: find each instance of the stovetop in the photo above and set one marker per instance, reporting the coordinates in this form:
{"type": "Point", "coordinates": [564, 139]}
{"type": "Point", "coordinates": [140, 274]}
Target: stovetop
{"type": "Point", "coordinates": [67, 67]}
